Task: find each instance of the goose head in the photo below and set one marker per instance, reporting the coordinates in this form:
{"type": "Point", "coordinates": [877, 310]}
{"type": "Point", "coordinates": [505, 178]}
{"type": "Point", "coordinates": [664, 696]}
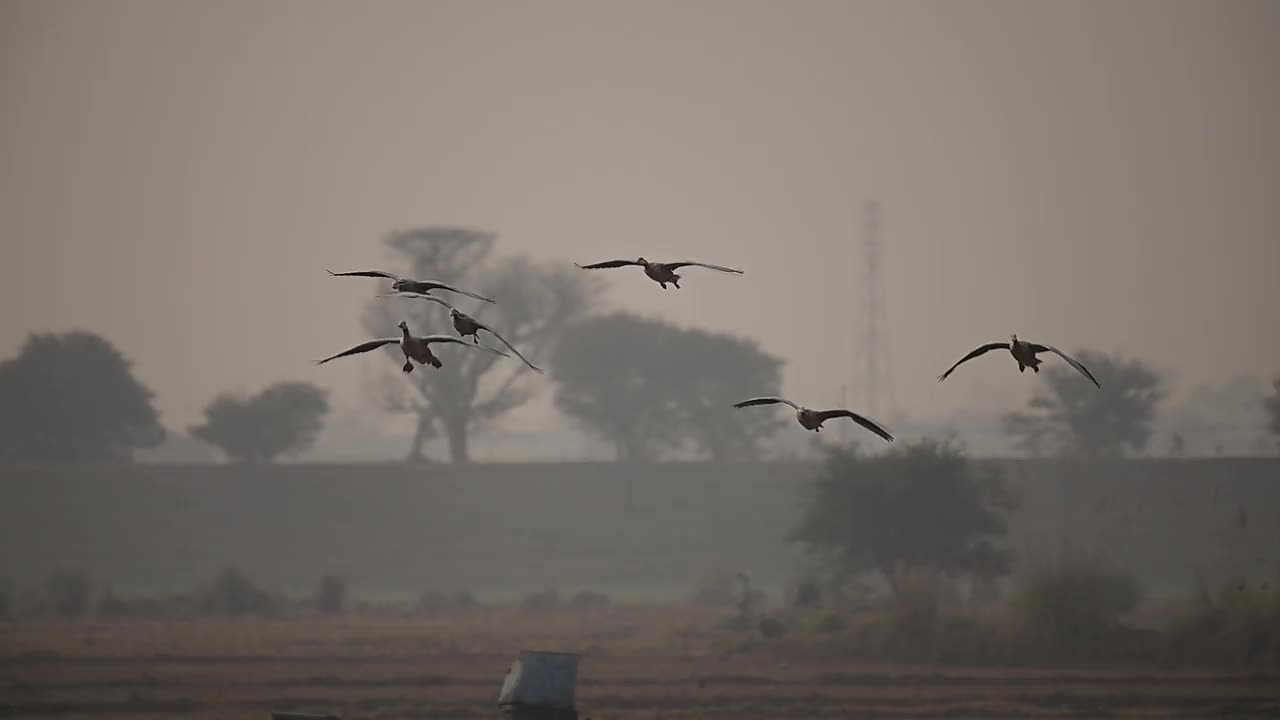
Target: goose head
{"type": "Point", "coordinates": [403, 326]}
{"type": "Point", "coordinates": [400, 285]}
{"type": "Point", "coordinates": [642, 261]}
{"type": "Point", "coordinates": [1013, 338]}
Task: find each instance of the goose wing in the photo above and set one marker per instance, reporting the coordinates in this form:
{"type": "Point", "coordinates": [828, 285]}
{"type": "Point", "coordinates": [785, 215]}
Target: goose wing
{"type": "Point", "coordinates": [423, 287]}
{"type": "Point", "coordinates": [721, 268]}
{"type": "Point", "coordinates": [981, 350]}
{"type": "Point", "coordinates": [1035, 348]}
{"type": "Point", "coordinates": [428, 339]}
{"type": "Point", "coordinates": [765, 401]}
{"type": "Point", "coordinates": [361, 348]}
{"type": "Point", "coordinates": [873, 427]}
{"type": "Point", "coordinates": [365, 273]}
{"type": "Point", "coordinates": [419, 296]}
{"type": "Point", "coordinates": [494, 333]}
{"type": "Point", "coordinates": [608, 264]}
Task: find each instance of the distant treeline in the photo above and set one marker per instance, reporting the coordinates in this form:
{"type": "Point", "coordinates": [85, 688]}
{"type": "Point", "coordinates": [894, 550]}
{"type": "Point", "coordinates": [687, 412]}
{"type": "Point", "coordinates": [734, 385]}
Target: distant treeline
{"type": "Point", "coordinates": [394, 527]}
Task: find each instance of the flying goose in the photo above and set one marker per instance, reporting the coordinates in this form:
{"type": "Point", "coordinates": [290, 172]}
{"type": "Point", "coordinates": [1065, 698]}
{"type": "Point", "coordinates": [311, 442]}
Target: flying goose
{"type": "Point", "coordinates": [415, 348]}
{"type": "Point", "coordinates": [400, 284]}
{"type": "Point", "coordinates": [466, 325]}
{"type": "Point", "coordinates": [1025, 353]}
{"type": "Point", "coordinates": [813, 419]}
{"type": "Point", "coordinates": [661, 273]}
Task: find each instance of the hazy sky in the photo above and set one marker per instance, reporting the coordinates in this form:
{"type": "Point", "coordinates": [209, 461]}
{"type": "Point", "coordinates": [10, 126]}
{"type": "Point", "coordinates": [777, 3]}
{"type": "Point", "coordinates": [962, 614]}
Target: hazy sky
{"type": "Point", "coordinates": [175, 175]}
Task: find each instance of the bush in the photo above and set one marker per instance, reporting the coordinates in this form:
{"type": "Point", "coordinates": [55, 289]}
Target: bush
{"type": "Point", "coordinates": [234, 594]}
{"type": "Point", "coordinates": [587, 600]}
{"type": "Point", "coordinates": [1238, 625]}
{"type": "Point", "coordinates": [545, 600]}
{"type": "Point", "coordinates": [67, 593]}
{"type": "Point", "coordinates": [331, 596]}
{"type": "Point", "coordinates": [1068, 609]}
{"type": "Point", "coordinates": [806, 595]}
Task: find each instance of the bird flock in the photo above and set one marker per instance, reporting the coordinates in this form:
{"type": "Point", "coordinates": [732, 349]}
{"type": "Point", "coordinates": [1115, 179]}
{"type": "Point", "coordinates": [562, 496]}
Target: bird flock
{"type": "Point", "coordinates": [418, 348]}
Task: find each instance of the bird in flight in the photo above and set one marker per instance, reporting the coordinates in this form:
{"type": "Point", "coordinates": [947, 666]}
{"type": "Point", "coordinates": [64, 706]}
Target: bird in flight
{"type": "Point", "coordinates": [414, 348]}
{"type": "Point", "coordinates": [813, 419]}
{"type": "Point", "coordinates": [661, 273]}
{"type": "Point", "coordinates": [1025, 353]}
{"type": "Point", "coordinates": [466, 325]}
{"type": "Point", "coordinates": [400, 284]}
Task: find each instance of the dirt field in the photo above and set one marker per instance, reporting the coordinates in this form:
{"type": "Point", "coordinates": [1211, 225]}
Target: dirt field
{"type": "Point", "coordinates": [637, 663]}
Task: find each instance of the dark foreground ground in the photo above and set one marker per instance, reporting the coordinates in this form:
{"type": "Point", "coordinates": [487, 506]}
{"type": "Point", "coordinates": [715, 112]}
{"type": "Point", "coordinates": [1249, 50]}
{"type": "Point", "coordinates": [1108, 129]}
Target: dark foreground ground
{"type": "Point", "coordinates": [636, 663]}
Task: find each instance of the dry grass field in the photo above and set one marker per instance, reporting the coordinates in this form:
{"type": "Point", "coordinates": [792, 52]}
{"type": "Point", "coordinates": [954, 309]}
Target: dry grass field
{"type": "Point", "coordinates": [636, 663]}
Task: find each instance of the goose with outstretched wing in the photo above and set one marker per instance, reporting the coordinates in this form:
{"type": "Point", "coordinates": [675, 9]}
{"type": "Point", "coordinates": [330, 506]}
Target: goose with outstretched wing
{"type": "Point", "coordinates": [813, 419]}
{"type": "Point", "coordinates": [467, 325]}
{"type": "Point", "coordinates": [1025, 353]}
{"type": "Point", "coordinates": [661, 273]}
{"type": "Point", "coordinates": [400, 284]}
{"type": "Point", "coordinates": [414, 348]}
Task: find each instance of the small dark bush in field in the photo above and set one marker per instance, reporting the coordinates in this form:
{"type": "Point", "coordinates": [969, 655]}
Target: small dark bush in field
{"type": "Point", "coordinates": [113, 606]}
{"type": "Point", "coordinates": [436, 601]}
{"type": "Point", "coordinates": [331, 596]}
{"type": "Point", "coordinates": [807, 595]}
{"type": "Point", "coordinates": [771, 627]}
{"type": "Point", "coordinates": [1068, 609]}
{"type": "Point", "coordinates": [67, 592]}
{"type": "Point", "coordinates": [545, 600]}
{"type": "Point", "coordinates": [234, 594]}
{"type": "Point", "coordinates": [587, 600]}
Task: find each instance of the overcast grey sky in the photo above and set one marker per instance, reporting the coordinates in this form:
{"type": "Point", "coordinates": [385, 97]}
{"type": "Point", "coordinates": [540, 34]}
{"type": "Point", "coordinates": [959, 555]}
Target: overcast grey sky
{"type": "Point", "coordinates": [175, 175]}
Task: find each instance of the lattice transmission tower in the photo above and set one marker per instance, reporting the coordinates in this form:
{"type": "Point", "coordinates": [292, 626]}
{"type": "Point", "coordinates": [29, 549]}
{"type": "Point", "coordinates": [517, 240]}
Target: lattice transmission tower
{"type": "Point", "coordinates": [871, 335]}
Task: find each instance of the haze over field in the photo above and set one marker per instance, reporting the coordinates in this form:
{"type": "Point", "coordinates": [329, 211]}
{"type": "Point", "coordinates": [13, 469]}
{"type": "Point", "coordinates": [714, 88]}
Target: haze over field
{"type": "Point", "coordinates": [176, 175]}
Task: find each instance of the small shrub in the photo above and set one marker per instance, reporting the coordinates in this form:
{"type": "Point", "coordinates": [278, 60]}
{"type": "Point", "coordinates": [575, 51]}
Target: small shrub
{"type": "Point", "coordinates": [771, 627]}
{"type": "Point", "coordinates": [587, 600]}
{"type": "Point", "coordinates": [1068, 609]}
{"type": "Point", "coordinates": [67, 593]}
{"type": "Point", "coordinates": [234, 594]}
{"type": "Point", "coordinates": [545, 600]}
{"type": "Point", "coordinates": [807, 595]}
{"type": "Point", "coordinates": [331, 596]}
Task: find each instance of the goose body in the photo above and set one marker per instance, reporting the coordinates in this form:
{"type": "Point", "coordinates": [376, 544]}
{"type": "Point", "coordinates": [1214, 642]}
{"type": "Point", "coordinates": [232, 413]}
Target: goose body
{"type": "Point", "coordinates": [1024, 353]}
{"type": "Point", "coordinates": [661, 273]}
{"type": "Point", "coordinates": [810, 419]}
{"type": "Point", "coordinates": [414, 348]}
{"type": "Point", "coordinates": [408, 285]}
{"type": "Point", "coordinates": [466, 325]}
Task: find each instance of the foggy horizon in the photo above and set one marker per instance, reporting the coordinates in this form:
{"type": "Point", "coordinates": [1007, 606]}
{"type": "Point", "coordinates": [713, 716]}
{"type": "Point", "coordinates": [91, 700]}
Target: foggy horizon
{"type": "Point", "coordinates": [176, 176]}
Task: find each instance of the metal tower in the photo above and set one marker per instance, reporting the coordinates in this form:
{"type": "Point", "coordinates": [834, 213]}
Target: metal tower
{"type": "Point", "coordinates": [877, 381]}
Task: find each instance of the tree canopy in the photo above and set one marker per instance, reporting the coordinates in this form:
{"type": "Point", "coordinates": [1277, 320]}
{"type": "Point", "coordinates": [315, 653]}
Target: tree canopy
{"type": "Point", "coordinates": [73, 397]}
{"type": "Point", "coordinates": [535, 302]}
{"type": "Point", "coordinates": [1069, 416]}
{"type": "Point", "coordinates": [650, 387]}
{"type": "Point", "coordinates": [917, 506]}
{"type": "Point", "coordinates": [283, 419]}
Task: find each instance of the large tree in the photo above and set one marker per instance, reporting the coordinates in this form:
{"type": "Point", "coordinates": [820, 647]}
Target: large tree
{"type": "Point", "coordinates": [72, 397]}
{"type": "Point", "coordinates": [535, 301]}
{"type": "Point", "coordinates": [1272, 404]}
{"type": "Point", "coordinates": [921, 505]}
{"type": "Point", "coordinates": [283, 419]}
{"type": "Point", "coordinates": [649, 387]}
{"type": "Point", "coordinates": [1069, 416]}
